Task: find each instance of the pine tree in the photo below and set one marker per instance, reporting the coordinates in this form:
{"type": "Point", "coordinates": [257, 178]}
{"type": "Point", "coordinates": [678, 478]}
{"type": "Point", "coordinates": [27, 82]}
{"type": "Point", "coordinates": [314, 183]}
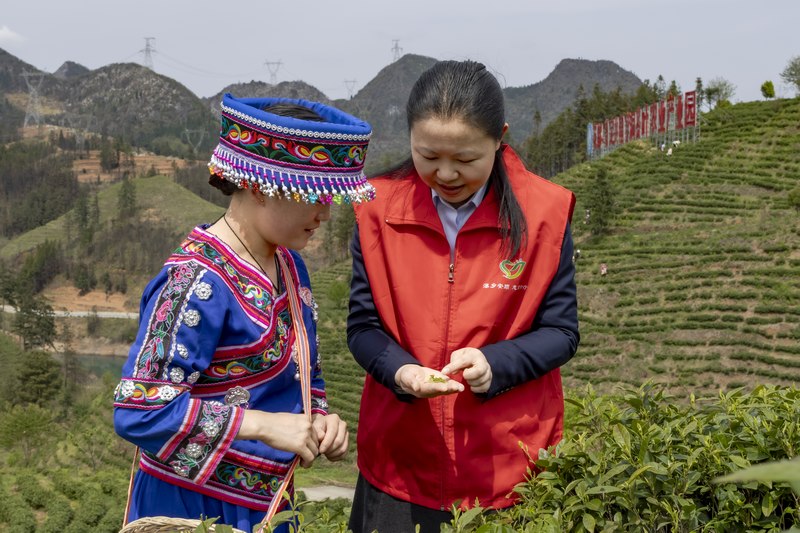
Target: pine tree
{"type": "Point", "coordinates": [34, 322]}
{"type": "Point", "coordinates": [82, 218]}
{"type": "Point", "coordinates": [25, 427]}
{"type": "Point", "coordinates": [126, 200]}
{"type": "Point", "coordinates": [108, 158]}
{"type": "Point", "coordinates": [601, 203]}
{"type": "Point", "coordinates": [699, 92]}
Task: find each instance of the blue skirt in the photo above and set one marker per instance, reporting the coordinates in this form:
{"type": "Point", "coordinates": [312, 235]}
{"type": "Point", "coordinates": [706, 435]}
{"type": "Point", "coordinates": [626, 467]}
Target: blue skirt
{"type": "Point", "coordinates": [153, 497]}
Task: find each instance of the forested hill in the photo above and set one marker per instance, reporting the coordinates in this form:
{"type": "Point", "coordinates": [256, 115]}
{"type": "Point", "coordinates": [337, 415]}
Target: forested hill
{"type": "Point", "coordinates": [559, 89]}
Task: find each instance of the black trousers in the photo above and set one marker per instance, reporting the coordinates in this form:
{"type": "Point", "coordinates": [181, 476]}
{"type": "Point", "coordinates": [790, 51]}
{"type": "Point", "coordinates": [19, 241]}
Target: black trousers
{"type": "Point", "coordinates": [374, 510]}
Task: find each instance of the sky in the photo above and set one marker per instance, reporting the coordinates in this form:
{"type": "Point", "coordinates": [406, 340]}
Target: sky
{"type": "Point", "coordinates": [339, 47]}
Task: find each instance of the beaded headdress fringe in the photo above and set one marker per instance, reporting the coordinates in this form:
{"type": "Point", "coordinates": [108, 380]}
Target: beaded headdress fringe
{"type": "Point", "coordinates": [295, 159]}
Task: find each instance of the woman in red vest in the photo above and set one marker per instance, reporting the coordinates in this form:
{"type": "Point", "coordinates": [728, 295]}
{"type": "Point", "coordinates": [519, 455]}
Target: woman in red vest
{"type": "Point", "coordinates": [462, 309]}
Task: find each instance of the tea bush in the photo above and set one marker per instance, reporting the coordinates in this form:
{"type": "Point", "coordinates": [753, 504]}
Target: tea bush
{"type": "Point", "coordinates": [643, 461]}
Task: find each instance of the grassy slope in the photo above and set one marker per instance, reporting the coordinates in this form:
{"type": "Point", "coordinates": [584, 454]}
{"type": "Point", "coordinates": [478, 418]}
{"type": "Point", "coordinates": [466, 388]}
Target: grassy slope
{"type": "Point", "coordinates": [157, 198]}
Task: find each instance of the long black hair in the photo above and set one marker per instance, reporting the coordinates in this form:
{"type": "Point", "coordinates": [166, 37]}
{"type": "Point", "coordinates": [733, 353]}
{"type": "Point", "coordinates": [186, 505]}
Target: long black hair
{"type": "Point", "coordinates": [465, 90]}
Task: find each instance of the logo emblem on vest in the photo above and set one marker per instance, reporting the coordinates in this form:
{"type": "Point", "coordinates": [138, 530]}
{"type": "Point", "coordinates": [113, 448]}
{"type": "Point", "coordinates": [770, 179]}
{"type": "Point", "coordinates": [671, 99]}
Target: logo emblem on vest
{"type": "Point", "coordinates": [512, 269]}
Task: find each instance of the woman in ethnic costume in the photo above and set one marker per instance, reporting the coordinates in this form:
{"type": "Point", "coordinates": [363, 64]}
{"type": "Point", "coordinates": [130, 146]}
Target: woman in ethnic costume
{"type": "Point", "coordinates": [222, 390]}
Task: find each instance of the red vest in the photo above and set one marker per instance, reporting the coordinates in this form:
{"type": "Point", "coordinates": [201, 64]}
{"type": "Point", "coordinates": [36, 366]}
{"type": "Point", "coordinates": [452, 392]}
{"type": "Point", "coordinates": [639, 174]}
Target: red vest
{"type": "Point", "coordinates": [434, 452]}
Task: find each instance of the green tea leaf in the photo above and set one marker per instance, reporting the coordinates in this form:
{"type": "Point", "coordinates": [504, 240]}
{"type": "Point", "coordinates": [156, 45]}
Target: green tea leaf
{"type": "Point", "coordinates": [775, 471]}
{"type": "Point", "coordinates": [589, 522]}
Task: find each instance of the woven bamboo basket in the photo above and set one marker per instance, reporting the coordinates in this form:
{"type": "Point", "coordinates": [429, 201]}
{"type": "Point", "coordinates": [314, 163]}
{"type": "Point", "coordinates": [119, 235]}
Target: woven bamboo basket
{"type": "Point", "coordinates": [165, 524]}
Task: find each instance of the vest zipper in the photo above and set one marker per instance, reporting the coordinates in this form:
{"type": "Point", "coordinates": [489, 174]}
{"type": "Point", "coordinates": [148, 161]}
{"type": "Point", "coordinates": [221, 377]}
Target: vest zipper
{"type": "Point", "coordinates": [451, 280]}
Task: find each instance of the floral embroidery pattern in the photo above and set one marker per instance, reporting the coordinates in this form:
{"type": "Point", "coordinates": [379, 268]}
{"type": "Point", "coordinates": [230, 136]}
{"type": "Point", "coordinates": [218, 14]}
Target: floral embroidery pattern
{"type": "Point", "coordinates": [153, 358]}
{"type": "Point", "coordinates": [290, 150]}
{"type": "Point", "coordinates": [251, 291]}
{"type": "Point", "coordinates": [308, 299]}
{"type": "Point", "coordinates": [196, 447]}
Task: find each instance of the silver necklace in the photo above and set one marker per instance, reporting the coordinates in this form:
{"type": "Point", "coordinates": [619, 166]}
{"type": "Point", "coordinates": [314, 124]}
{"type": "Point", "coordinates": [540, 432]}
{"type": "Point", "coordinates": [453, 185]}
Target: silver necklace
{"type": "Point", "coordinates": [278, 286]}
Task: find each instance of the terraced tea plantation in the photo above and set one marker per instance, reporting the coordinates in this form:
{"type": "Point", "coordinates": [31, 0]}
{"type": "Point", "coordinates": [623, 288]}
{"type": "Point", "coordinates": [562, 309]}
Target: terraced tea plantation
{"type": "Point", "coordinates": [343, 375]}
{"type": "Point", "coordinates": [703, 259]}
{"type": "Point", "coordinates": [703, 285]}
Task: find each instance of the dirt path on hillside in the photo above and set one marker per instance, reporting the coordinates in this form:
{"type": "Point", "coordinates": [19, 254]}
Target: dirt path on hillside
{"type": "Point", "coordinates": [67, 298]}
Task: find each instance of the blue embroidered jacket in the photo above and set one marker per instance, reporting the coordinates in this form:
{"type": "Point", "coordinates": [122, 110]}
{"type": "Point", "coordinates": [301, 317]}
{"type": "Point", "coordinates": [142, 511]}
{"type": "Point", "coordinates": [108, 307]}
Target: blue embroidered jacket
{"type": "Point", "coordinates": [212, 342]}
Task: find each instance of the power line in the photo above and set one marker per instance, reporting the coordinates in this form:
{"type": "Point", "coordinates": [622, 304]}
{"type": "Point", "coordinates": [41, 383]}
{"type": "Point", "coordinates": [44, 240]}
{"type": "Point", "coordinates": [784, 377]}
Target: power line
{"type": "Point", "coordinates": [80, 126]}
{"type": "Point", "coordinates": [190, 69]}
{"type": "Point", "coordinates": [396, 50]}
{"type": "Point", "coordinates": [33, 112]}
{"type": "Point", "coordinates": [194, 138]}
{"type": "Point", "coordinates": [273, 67]}
{"type": "Point", "coordinates": [148, 52]}
{"type": "Point", "coordinates": [125, 59]}
{"type": "Point", "coordinates": [351, 87]}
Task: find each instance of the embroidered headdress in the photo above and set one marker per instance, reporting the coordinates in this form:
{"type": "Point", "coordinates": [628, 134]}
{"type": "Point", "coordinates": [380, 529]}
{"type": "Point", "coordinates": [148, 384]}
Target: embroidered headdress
{"type": "Point", "coordinates": [285, 156]}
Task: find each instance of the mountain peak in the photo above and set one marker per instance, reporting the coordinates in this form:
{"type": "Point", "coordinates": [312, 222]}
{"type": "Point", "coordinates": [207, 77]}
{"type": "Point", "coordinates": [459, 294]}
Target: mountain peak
{"type": "Point", "coordinates": [70, 70]}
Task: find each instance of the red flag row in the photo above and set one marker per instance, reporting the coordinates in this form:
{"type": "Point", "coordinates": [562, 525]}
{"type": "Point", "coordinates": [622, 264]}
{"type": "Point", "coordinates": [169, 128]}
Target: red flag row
{"type": "Point", "coordinates": [673, 114]}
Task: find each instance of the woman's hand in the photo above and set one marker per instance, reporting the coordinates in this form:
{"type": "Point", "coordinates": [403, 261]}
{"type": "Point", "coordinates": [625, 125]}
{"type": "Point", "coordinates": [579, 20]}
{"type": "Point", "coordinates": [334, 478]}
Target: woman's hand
{"type": "Point", "coordinates": [424, 382]}
{"type": "Point", "coordinates": [476, 370]}
{"type": "Point", "coordinates": [283, 431]}
{"type": "Point", "coordinates": [332, 436]}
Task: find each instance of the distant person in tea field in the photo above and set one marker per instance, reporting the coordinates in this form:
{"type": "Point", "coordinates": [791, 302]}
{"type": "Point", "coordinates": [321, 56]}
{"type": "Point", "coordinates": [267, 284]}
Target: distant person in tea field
{"type": "Point", "coordinates": [462, 309]}
{"type": "Point", "coordinates": [222, 390]}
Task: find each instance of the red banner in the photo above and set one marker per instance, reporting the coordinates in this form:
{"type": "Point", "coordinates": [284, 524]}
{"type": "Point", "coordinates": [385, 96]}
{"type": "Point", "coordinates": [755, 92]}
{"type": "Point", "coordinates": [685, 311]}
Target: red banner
{"type": "Point", "coordinates": [675, 113]}
{"type": "Point", "coordinates": [653, 118]}
{"type": "Point", "coordinates": [643, 123]}
{"type": "Point", "coordinates": [690, 109]}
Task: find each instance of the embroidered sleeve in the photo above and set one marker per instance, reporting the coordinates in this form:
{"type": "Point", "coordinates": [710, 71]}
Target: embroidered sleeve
{"type": "Point", "coordinates": [180, 326]}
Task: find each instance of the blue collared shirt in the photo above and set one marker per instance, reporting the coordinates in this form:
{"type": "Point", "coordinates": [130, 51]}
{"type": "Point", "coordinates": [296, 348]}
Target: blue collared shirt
{"type": "Point", "coordinates": [453, 219]}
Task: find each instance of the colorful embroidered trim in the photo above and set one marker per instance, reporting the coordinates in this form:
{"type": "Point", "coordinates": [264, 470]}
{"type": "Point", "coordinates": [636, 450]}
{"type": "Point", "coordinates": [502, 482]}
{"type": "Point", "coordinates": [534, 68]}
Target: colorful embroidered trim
{"type": "Point", "coordinates": [298, 159]}
{"type": "Point", "coordinates": [146, 394]}
{"type": "Point", "coordinates": [238, 478]}
{"type": "Point", "coordinates": [208, 429]}
{"type": "Point", "coordinates": [253, 296]}
{"type": "Point", "coordinates": [245, 365]}
{"type": "Point", "coordinates": [260, 361]}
